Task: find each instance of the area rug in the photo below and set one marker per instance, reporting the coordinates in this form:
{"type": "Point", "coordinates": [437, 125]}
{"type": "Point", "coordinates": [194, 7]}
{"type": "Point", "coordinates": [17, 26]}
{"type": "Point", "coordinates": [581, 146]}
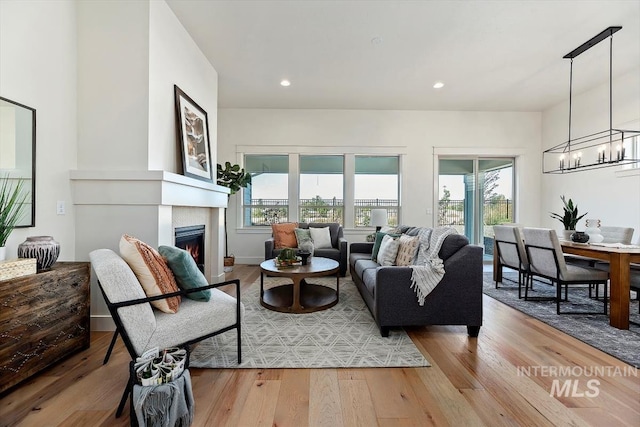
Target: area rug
{"type": "Point", "coordinates": [593, 329]}
{"type": "Point", "coordinates": [343, 336]}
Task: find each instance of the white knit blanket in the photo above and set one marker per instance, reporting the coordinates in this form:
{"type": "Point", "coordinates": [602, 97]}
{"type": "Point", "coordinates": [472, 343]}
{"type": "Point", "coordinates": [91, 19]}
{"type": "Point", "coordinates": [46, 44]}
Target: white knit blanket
{"type": "Point", "coordinates": [428, 270]}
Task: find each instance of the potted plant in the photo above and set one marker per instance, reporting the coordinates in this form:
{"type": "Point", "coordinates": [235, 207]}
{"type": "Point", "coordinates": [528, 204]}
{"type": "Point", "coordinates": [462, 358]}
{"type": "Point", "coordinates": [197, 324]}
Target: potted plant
{"type": "Point", "coordinates": [570, 217]}
{"type": "Point", "coordinates": [12, 199]}
{"type": "Point", "coordinates": [234, 178]}
{"type": "Point", "coordinates": [288, 257]}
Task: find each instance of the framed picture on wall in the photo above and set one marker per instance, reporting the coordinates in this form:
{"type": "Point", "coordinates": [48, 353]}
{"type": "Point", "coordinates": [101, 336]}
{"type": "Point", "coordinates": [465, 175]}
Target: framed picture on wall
{"type": "Point", "coordinates": [192, 128]}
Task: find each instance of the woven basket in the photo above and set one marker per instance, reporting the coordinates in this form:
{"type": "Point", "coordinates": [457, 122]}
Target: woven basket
{"type": "Point", "coordinates": [12, 268]}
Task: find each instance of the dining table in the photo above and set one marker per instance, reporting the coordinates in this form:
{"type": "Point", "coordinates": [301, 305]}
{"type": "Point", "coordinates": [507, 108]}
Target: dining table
{"type": "Point", "coordinates": [619, 258]}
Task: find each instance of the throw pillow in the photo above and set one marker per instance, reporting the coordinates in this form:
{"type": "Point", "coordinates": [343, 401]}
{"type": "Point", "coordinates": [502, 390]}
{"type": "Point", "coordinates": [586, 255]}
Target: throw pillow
{"type": "Point", "coordinates": [376, 245]}
{"type": "Point", "coordinates": [407, 250]}
{"type": "Point", "coordinates": [321, 237]}
{"type": "Point", "coordinates": [303, 235]}
{"type": "Point", "coordinates": [186, 272]}
{"type": "Point", "coordinates": [388, 250]}
{"type": "Point", "coordinates": [284, 235]}
{"type": "Point", "coordinates": [152, 272]}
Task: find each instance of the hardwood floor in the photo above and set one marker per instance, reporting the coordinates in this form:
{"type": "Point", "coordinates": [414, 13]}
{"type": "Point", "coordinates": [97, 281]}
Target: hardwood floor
{"type": "Point", "coordinates": [472, 382]}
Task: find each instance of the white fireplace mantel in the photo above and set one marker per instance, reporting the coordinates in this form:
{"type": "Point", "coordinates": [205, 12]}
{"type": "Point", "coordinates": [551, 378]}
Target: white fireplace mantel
{"type": "Point", "coordinates": [160, 188]}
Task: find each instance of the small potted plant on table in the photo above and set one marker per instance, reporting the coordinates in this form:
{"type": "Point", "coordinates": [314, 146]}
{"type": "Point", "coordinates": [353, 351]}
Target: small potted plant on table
{"type": "Point", "coordinates": [570, 217]}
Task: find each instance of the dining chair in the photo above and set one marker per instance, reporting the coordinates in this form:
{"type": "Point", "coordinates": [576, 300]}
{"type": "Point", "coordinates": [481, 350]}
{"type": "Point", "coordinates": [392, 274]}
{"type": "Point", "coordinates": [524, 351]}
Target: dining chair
{"type": "Point", "coordinates": [547, 260]}
{"type": "Point", "coordinates": [610, 235]}
{"type": "Point", "coordinates": [511, 252]}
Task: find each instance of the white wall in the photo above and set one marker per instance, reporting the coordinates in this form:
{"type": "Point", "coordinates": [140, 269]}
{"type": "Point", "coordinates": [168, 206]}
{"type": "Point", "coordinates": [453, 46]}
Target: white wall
{"type": "Point", "coordinates": [415, 134]}
{"type": "Point", "coordinates": [38, 69]}
{"type": "Point", "coordinates": [174, 58]}
{"type": "Point", "coordinates": [610, 194]}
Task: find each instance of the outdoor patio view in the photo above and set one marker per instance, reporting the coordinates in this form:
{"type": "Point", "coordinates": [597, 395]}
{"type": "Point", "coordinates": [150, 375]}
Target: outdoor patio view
{"type": "Point", "coordinates": [270, 211]}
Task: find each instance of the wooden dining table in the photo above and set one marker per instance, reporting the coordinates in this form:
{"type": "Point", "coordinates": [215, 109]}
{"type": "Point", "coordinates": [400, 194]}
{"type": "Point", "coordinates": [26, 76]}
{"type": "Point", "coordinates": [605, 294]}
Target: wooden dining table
{"type": "Point", "coordinates": [620, 260]}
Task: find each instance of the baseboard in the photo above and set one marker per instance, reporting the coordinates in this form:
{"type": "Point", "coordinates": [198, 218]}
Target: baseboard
{"type": "Point", "coordinates": [249, 260]}
{"type": "Point", "coordinates": [102, 323]}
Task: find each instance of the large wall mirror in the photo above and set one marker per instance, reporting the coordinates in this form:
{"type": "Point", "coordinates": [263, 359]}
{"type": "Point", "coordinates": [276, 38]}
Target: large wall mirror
{"type": "Point", "coordinates": [18, 153]}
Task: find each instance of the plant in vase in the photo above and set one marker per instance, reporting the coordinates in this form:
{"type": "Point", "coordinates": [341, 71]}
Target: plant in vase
{"type": "Point", "coordinates": [234, 178]}
{"type": "Point", "coordinates": [570, 217]}
{"type": "Point", "coordinates": [12, 200]}
{"type": "Point", "coordinates": [288, 257]}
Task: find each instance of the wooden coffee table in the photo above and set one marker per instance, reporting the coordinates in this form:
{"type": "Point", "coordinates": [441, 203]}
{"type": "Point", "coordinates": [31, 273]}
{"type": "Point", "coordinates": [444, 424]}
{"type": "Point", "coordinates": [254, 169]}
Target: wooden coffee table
{"type": "Point", "coordinates": [300, 296]}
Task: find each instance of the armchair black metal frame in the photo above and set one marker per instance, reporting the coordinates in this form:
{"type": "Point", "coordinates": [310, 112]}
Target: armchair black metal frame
{"type": "Point", "coordinates": [523, 273]}
{"type": "Point", "coordinates": [113, 309]}
{"type": "Point", "coordinates": [559, 282]}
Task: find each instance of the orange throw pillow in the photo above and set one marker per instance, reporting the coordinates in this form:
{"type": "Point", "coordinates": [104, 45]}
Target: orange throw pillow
{"type": "Point", "coordinates": [152, 272]}
{"type": "Point", "coordinates": [284, 235]}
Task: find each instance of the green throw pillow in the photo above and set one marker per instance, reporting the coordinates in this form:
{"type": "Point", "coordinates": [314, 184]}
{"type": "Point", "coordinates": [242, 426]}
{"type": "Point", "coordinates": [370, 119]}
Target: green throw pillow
{"type": "Point", "coordinates": [376, 246]}
{"type": "Point", "coordinates": [303, 235]}
{"type": "Point", "coordinates": [186, 271]}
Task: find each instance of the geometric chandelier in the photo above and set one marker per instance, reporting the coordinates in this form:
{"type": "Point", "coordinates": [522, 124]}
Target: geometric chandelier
{"type": "Point", "coordinates": [606, 148]}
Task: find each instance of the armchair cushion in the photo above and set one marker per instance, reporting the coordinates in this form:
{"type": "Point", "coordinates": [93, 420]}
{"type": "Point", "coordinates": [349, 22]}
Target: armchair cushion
{"type": "Point", "coordinates": [321, 237]}
{"type": "Point", "coordinates": [284, 235]}
{"type": "Point", "coordinates": [186, 271]}
{"type": "Point", "coordinates": [152, 272]}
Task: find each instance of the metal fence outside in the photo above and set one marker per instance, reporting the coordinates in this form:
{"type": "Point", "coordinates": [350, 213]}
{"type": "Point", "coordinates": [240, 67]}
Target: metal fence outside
{"type": "Point", "coordinates": [264, 212]}
{"type": "Point", "coordinates": [451, 212]}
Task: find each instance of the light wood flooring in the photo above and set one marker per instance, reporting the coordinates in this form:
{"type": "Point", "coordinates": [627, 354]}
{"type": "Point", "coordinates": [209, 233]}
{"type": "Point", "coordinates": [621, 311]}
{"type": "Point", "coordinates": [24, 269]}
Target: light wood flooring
{"type": "Point", "coordinates": [471, 382]}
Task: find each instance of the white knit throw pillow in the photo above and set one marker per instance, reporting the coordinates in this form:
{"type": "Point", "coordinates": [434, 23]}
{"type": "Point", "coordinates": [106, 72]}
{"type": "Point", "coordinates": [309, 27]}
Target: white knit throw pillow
{"type": "Point", "coordinates": [388, 250]}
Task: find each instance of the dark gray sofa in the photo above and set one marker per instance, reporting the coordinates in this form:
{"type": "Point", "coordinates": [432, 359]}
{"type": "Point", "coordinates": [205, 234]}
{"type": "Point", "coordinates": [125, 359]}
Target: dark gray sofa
{"type": "Point", "coordinates": [338, 251]}
{"type": "Point", "coordinates": [456, 300]}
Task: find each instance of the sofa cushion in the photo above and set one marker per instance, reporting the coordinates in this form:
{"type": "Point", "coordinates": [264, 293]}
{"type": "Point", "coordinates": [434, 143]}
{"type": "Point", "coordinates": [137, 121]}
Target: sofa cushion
{"type": "Point", "coordinates": [321, 237]}
{"type": "Point", "coordinates": [388, 250]}
{"type": "Point", "coordinates": [369, 280]}
{"type": "Point", "coordinates": [365, 264]}
{"type": "Point", "coordinates": [186, 271]}
{"type": "Point", "coordinates": [334, 230]}
{"type": "Point", "coordinates": [376, 246]}
{"type": "Point", "coordinates": [407, 250]}
{"type": "Point", "coordinates": [152, 272]}
{"type": "Point", "coordinates": [284, 235]}
{"type": "Point", "coordinates": [452, 244]}
{"type": "Point", "coordinates": [303, 235]}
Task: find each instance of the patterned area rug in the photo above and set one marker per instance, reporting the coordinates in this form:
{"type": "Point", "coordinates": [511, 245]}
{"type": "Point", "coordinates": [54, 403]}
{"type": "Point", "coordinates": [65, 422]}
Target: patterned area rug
{"type": "Point", "coordinates": [343, 336]}
{"type": "Point", "coordinates": [593, 329]}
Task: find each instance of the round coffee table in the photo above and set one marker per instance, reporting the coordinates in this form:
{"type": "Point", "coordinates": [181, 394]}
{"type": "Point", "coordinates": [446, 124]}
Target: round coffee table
{"type": "Point", "coordinates": [300, 296]}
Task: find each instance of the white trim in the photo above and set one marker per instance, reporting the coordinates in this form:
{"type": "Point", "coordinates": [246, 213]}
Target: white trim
{"type": "Point", "coordinates": [326, 149]}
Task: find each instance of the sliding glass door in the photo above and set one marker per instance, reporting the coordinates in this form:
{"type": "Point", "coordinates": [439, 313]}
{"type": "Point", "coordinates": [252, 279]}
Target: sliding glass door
{"type": "Point", "coordinates": [475, 193]}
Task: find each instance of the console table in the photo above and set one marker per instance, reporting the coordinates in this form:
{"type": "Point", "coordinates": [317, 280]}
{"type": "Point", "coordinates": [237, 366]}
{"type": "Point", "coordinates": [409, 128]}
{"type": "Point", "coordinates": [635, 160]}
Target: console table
{"type": "Point", "coordinates": [44, 318]}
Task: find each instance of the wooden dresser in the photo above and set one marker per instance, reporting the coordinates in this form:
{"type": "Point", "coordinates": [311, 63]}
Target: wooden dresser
{"type": "Point", "coordinates": [44, 317]}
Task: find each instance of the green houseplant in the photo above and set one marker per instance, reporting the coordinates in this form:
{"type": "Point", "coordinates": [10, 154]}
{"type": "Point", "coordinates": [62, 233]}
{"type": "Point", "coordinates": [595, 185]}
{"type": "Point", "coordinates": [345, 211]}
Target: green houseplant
{"type": "Point", "coordinates": [570, 217]}
{"type": "Point", "coordinates": [234, 178]}
{"type": "Point", "coordinates": [12, 199]}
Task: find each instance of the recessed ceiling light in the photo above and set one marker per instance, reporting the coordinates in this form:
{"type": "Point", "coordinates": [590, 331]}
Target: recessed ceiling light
{"type": "Point", "coordinates": [285, 83]}
{"type": "Point", "coordinates": [438, 85]}
{"type": "Point", "coordinates": [376, 40]}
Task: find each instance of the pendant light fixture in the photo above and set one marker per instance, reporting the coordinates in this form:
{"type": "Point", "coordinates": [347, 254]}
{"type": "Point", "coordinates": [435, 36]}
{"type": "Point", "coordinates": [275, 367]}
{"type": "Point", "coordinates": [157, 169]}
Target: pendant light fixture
{"type": "Point", "coordinates": [598, 150]}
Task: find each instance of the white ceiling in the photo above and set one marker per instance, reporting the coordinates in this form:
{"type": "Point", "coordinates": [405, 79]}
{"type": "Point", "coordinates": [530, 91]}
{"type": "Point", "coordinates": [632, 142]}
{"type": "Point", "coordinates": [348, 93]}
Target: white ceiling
{"type": "Point", "coordinates": [491, 55]}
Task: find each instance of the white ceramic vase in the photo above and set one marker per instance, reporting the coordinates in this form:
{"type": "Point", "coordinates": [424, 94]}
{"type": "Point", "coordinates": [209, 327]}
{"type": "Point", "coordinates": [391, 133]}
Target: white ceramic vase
{"type": "Point", "coordinates": [593, 230]}
{"type": "Point", "coordinates": [3, 253]}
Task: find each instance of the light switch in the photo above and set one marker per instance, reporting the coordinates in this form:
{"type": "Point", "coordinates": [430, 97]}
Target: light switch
{"type": "Point", "coordinates": [60, 207]}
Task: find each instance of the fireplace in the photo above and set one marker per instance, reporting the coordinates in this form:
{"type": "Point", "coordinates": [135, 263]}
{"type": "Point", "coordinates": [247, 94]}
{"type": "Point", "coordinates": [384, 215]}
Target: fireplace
{"type": "Point", "coordinates": [191, 239]}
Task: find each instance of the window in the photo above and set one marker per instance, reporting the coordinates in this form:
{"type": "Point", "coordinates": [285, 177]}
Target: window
{"type": "Point", "coordinates": [341, 188]}
{"type": "Point", "coordinates": [321, 189]}
{"type": "Point", "coordinates": [266, 200]}
{"type": "Point", "coordinates": [376, 186]}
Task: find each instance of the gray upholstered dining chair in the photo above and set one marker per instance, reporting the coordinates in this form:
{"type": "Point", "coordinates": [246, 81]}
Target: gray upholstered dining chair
{"type": "Point", "coordinates": [610, 235]}
{"type": "Point", "coordinates": [546, 260]}
{"type": "Point", "coordinates": [511, 252]}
